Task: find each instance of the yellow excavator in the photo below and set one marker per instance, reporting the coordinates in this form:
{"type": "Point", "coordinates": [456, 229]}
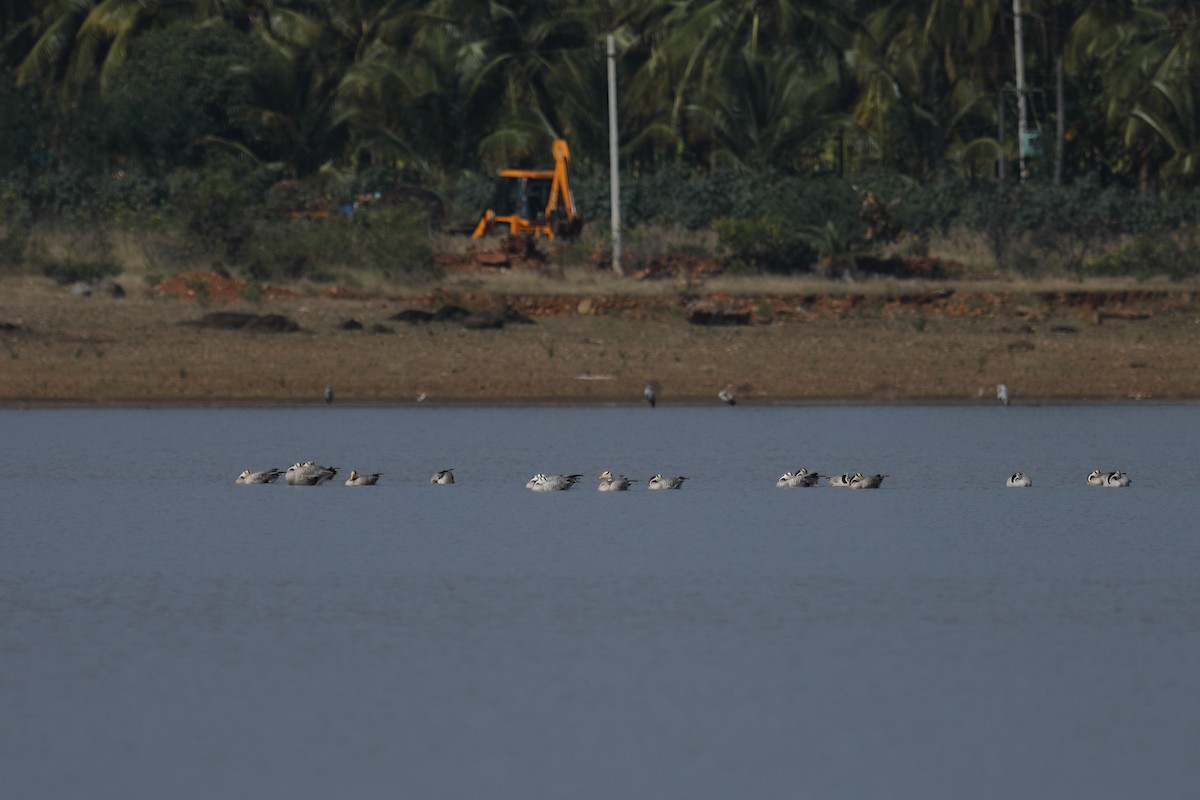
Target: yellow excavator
{"type": "Point", "coordinates": [534, 202]}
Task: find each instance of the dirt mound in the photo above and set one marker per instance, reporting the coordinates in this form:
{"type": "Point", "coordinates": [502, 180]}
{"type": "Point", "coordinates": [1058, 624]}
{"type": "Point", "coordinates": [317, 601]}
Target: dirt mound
{"type": "Point", "coordinates": [232, 320]}
{"type": "Point", "coordinates": [513, 253]}
{"type": "Point", "coordinates": [201, 285]}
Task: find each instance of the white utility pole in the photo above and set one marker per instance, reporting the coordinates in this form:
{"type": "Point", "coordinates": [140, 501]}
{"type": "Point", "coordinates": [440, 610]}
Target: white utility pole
{"type": "Point", "coordinates": [1022, 130]}
{"type": "Point", "coordinates": [613, 160]}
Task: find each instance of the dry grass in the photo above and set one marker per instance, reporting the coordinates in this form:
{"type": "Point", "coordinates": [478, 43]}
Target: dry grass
{"type": "Point", "coordinates": [146, 256]}
{"type": "Point", "coordinates": [581, 280]}
{"type": "Point", "coordinates": [962, 247]}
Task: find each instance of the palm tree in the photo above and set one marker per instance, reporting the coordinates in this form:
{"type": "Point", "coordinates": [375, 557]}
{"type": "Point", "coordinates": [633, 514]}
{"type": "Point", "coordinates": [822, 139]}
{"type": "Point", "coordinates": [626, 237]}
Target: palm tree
{"type": "Point", "coordinates": [15, 16]}
{"type": "Point", "coordinates": [926, 86]}
{"type": "Point", "coordinates": [698, 45]}
{"type": "Point", "coordinates": [78, 41]}
{"type": "Point", "coordinates": [771, 113]}
{"type": "Point", "coordinates": [509, 59]}
{"type": "Point", "coordinates": [1105, 47]}
{"type": "Point", "coordinates": [1169, 108]}
{"type": "Point", "coordinates": [295, 86]}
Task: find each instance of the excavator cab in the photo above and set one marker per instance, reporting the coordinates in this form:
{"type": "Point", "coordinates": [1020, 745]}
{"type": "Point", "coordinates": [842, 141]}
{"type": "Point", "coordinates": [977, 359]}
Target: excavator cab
{"type": "Point", "coordinates": [526, 198]}
{"type": "Point", "coordinates": [534, 202]}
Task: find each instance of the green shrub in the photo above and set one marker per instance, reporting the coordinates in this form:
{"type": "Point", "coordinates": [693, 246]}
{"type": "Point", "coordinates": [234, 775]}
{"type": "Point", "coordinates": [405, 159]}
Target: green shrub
{"type": "Point", "coordinates": [218, 206]}
{"type": "Point", "coordinates": [768, 244]}
{"type": "Point", "coordinates": [1022, 260]}
{"type": "Point", "coordinates": [70, 253]}
{"type": "Point", "coordinates": [287, 249]}
{"type": "Point", "coordinates": [14, 237]}
{"type": "Point", "coordinates": [15, 227]}
{"type": "Point", "coordinates": [466, 201]}
{"type": "Point", "coordinates": [253, 292]}
{"type": "Point", "coordinates": [18, 125]}
{"type": "Point", "coordinates": [393, 242]}
{"type": "Point", "coordinates": [179, 86]}
{"type": "Point", "coordinates": [389, 242]}
{"type": "Point", "coordinates": [1175, 256]}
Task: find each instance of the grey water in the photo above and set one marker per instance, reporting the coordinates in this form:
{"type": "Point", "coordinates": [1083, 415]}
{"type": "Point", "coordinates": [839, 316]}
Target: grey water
{"type": "Point", "coordinates": [165, 633]}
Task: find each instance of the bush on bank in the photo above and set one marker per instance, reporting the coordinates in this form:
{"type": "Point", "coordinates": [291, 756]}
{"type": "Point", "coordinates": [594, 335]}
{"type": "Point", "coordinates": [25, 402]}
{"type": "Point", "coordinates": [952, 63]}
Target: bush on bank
{"type": "Point", "coordinates": [226, 214]}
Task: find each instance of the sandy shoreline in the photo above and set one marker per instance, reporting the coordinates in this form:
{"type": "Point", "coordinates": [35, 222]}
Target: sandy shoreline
{"type": "Point", "coordinates": [923, 345]}
{"type": "Point", "coordinates": [150, 403]}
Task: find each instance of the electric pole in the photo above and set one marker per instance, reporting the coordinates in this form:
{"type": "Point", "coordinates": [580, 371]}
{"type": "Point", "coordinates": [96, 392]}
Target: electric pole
{"type": "Point", "coordinates": [613, 160]}
{"type": "Point", "coordinates": [1022, 131]}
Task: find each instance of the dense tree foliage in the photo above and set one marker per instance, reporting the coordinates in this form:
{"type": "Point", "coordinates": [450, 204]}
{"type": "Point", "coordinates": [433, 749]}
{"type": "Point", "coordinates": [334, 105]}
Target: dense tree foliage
{"type": "Point", "coordinates": [178, 91]}
{"type": "Point", "coordinates": [347, 95]}
{"type": "Point", "coordinates": [803, 86]}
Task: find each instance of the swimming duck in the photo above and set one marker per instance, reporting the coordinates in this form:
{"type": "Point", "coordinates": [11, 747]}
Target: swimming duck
{"type": "Point", "coordinates": [840, 481]}
{"type": "Point", "coordinates": [552, 483]}
{"type": "Point", "coordinates": [309, 474]}
{"type": "Point", "coordinates": [802, 478]}
{"type": "Point", "coordinates": [443, 477]}
{"type": "Point", "coordinates": [266, 476]}
{"type": "Point", "coordinates": [808, 477]}
{"type": "Point", "coordinates": [1117, 480]}
{"type": "Point", "coordinates": [661, 482]}
{"type": "Point", "coordinates": [860, 481]}
{"type": "Point", "coordinates": [363, 480]}
{"type": "Point", "coordinates": [1018, 480]}
{"type": "Point", "coordinates": [1113, 480]}
{"type": "Point", "coordinates": [610, 484]}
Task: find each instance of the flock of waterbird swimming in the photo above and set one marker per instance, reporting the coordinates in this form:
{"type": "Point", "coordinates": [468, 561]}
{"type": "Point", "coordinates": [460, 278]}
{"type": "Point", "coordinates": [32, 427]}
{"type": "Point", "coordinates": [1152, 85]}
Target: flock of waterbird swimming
{"type": "Point", "coordinates": [310, 473]}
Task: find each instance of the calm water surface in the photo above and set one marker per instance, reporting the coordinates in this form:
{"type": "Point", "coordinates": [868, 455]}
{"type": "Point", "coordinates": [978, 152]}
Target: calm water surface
{"type": "Point", "coordinates": [165, 633]}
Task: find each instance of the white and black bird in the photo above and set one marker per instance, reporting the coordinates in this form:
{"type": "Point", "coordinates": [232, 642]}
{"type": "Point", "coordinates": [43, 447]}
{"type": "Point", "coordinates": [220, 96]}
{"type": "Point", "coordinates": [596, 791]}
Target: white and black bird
{"type": "Point", "coordinates": [651, 393]}
{"type": "Point", "coordinates": [801, 478]}
{"type": "Point", "coordinates": [443, 477]}
{"type": "Point", "coordinates": [308, 473]}
{"type": "Point", "coordinates": [610, 484]}
{"type": "Point", "coordinates": [1113, 480]}
{"type": "Point", "coordinates": [860, 481]}
{"type": "Point", "coordinates": [1117, 480]}
{"type": "Point", "coordinates": [727, 397]}
{"type": "Point", "coordinates": [840, 481]}
{"type": "Point", "coordinates": [358, 479]}
{"type": "Point", "coordinates": [552, 483]}
{"type": "Point", "coordinates": [266, 476]}
{"type": "Point", "coordinates": [1019, 480]}
{"type": "Point", "coordinates": [787, 480]}
{"type": "Point", "coordinates": [1002, 393]}
{"type": "Point", "coordinates": [659, 481]}
{"type": "Point", "coordinates": [328, 394]}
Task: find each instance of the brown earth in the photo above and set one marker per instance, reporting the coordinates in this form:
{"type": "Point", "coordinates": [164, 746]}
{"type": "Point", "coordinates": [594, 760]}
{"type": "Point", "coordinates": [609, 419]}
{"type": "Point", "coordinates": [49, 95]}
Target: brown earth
{"type": "Point", "coordinates": [901, 342]}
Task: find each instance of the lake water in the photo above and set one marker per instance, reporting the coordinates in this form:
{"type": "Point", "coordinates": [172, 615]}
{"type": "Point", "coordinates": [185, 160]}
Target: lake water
{"type": "Point", "coordinates": [167, 634]}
